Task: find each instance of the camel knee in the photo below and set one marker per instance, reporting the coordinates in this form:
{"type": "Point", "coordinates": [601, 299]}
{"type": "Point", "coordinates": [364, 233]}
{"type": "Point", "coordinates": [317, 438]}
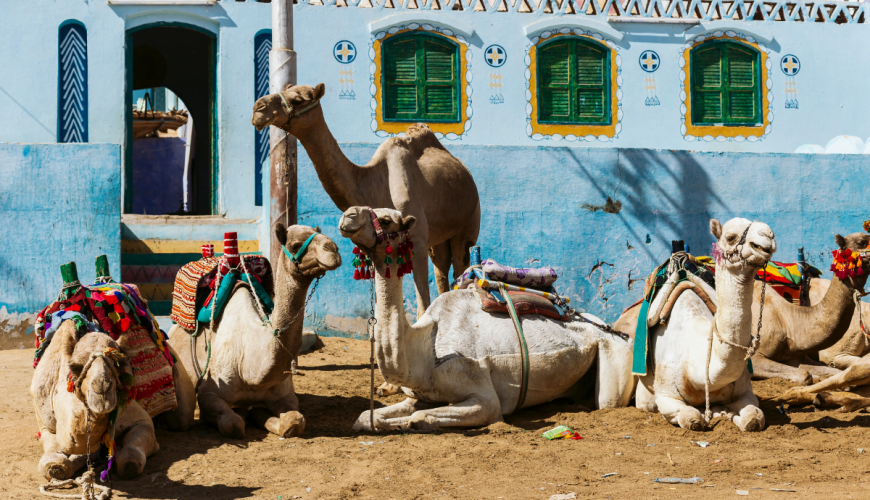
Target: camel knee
{"type": "Point", "coordinates": [388, 389]}
{"type": "Point", "coordinates": [54, 465]}
{"type": "Point", "coordinates": [131, 462]}
{"type": "Point", "coordinates": [231, 425]}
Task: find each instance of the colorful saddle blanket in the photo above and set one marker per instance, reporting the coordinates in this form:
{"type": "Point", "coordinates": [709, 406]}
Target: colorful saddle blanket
{"type": "Point", "coordinates": [196, 278]}
{"type": "Point", "coordinates": [118, 310]}
{"type": "Point", "coordinates": [539, 278]}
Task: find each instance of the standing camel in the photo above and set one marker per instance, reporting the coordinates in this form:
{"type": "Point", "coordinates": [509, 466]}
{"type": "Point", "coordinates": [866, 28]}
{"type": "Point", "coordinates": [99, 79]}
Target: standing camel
{"type": "Point", "coordinates": [251, 359]}
{"type": "Point", "coordinates": [791, 335]}
{"type": "Point", "coordinates": [414, 174]}
{"type": "Point", "coordinates": [678, 370]}
{"type": "Point", "coordinates": [462, 366]}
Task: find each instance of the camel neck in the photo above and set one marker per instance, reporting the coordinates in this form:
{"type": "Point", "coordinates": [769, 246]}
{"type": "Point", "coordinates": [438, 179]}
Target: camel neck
{"type": "Point", "coordinates": [340, 176]}
{"type": "Point", "coordinates": [830, 318]}
{"type": "Point", "coordinates": [733, 321]}
{"type": "Point", "coordinates": [391, 331]}
{"type": "Point", "coordinates": [288, 314]}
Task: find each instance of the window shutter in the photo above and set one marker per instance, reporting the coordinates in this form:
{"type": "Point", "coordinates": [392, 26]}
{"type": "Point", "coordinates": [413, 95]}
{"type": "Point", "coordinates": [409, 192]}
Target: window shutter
{"type": "Point", "coordinates": [743, 92]}
{"type": "Point", "coordinates": [440, 79]}
{"type": "Point", "coordinates": [707, 88]}
{"type": "Point", "coordinates": [555, 91]}
{"type": "Point", "coordinates": [591, 72]}
{"type": "Point", "coordinates": [420, 79]}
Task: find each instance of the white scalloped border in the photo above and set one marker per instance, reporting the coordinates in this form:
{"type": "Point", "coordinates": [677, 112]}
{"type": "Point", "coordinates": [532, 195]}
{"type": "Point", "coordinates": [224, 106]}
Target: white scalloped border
{"type": "Point", "coordinates": [468, 77]}
{"type": "Point", "coordinates": [528, 74]}
{"type": "Point", "coordinates": [768, 86]}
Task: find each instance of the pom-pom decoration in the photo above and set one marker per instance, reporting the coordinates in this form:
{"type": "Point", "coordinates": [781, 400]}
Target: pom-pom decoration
{"type": "Point", "coordinates": [847, 264]}
{"type": "Point", "coordinates": [867, 226]}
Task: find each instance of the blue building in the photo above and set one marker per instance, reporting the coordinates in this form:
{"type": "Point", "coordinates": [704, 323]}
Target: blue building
{"type": "Point", "coordinates": [596, 130]}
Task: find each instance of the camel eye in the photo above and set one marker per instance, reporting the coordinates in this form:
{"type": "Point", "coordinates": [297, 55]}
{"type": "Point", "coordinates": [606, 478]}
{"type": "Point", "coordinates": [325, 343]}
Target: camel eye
{"type": "Point", "coordinates": [731, 239]}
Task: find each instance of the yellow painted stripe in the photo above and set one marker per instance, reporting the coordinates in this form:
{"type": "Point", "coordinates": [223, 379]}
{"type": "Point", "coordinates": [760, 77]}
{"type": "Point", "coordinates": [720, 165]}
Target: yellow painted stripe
{"type": "Point", "coordinates": [180, 246]}
{"type": "Point", "coordinates": [156, 291]}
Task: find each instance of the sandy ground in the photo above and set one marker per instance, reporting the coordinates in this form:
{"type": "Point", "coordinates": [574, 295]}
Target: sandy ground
{"type": "Point", "coordinates": [812, 452]}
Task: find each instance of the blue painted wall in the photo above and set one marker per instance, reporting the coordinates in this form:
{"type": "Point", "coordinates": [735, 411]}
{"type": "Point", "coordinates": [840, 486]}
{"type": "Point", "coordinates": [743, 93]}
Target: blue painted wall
{"type": "Point", "coordinates": [547, 208]}
{"type": "Point", "coordinates": [58, 203]}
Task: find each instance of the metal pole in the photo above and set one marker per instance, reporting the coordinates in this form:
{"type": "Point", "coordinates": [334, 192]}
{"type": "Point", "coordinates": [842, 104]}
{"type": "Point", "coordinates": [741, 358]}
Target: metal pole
{"type": "Point", "coordinates": [282, 174]}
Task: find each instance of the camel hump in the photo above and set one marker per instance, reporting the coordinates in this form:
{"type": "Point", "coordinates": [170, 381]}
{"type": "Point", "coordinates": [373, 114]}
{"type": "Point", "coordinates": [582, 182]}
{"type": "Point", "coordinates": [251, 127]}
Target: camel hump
{"type": "Point", "coordinates": [419, 137]}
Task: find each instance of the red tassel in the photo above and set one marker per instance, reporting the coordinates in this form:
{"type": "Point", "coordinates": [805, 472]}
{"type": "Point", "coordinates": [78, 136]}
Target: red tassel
{"type": "Point", "coordinates": [368, 274]}
{"type": "Point", "coordinates": [389, 248]}
{"type": "Point", "coordinates": [411, 244]}
{"type": "Point", "coordinates": [356, 274]}
{"type": "Point", "coordinates": [356, 250]}
{"type": "Point", "coordinates": [387, 274]}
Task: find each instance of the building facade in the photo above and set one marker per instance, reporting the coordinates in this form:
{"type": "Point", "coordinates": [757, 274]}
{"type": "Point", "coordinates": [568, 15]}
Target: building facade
{"type": "Point", "coordinates": [597, 131]}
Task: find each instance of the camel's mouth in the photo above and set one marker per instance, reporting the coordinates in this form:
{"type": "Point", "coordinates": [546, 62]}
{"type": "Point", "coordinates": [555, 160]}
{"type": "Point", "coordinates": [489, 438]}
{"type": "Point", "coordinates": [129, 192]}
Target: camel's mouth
{"type": "Point", "coordinates": [261, 121]}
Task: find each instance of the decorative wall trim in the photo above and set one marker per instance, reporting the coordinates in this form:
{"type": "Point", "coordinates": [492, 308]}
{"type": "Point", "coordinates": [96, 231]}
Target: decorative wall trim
{"type": "Point", "coordinates": [752, 29]}
{"type": "Point", "coordinates": [450, 131]}
{"type": "Point", "coordinates": [725, 133]}
{"type": "Point", "coordinates": [72, 82]}
{"type": "Point", "coordinates": [583, 23]}
{"type": "Point", "coordinates": [579, 132]}
{"type": "Point", "coordinates": [827, 11]}
{"type": "Point", "coordinates": [421, 17]}
{"type": "Point", "coordinates": [262, 46]}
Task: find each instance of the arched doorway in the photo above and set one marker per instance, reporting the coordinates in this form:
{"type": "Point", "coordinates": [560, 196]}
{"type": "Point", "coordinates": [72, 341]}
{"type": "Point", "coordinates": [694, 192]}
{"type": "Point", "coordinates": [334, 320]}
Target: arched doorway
{"type": "Point", "coordinates": [161, 176]}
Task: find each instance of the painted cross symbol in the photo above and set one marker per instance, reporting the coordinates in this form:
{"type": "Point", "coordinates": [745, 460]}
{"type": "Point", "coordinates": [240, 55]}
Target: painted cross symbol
{"type": "Point", "coordinates": [344, 52]}
{"type": "Point", "coordinates": [495, 55]}
{"type": "Point", "coordinates": [790, 65]}
{"type": "Point", "coordinates": [649, 61]}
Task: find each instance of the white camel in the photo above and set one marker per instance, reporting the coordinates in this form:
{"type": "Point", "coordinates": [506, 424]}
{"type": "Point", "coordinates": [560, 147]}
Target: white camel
{"type": "Point", "coordinates": [470, 359]}
{"type": "Point", "coordinates": [678, 366]}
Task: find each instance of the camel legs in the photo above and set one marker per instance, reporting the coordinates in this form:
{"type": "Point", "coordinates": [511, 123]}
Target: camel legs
{"type": "Point", "coordinates": [217, 411]}
{"type": "Point", "coordinates": [137, 443]}
{"type": "Point", "coordinates": [857, 374]}
{"type": "Point", "coordinates": [677, 412]}
{"type": "Point", "coordinates": [403, 409]}
{"type": "Point", "coordinates": [281, 417]}
{"type": "Point", "coordinates": [54, 464]}
{"type": "Point", "coordinates": [846, 401]}
{"type": "Point", "coordinates": [440, 254]}
{"type": "Point", "coordinates": [644, 399]}
{"type": "Point", "coordinates": [477, 410]}
{"type": "Point", "coordinates": [767, 368]}
{"type": "Point", "coordinates": [746, 414]}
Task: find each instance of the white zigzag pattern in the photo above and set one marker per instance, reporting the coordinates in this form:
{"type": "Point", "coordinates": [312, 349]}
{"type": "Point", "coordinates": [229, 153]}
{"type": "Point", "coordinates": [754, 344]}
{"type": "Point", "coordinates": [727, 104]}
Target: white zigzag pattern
{"type": "Point", "coordinates": [261, 63]}
{"type": "Point", "coordinates": [73, 53]}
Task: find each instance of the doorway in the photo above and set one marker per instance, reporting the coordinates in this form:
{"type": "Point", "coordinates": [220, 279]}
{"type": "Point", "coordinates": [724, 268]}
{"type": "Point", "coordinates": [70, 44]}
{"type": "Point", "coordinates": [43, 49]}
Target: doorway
{"type": "Point", "coordinates": [171, 161]}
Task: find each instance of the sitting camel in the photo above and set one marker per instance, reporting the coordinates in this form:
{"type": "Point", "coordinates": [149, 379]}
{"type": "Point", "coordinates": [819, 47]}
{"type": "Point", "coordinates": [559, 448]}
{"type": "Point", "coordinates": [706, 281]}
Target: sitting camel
{"type": "Point", "coordinates": [251, 359]}
{"type": "Point", "coordinates": [414, 174]}
{"type": "Point", "coordinates": [791, 335]}
{"type": "Point", "coordinates": [470, 359]}
{"type": "Point", "coordinates": [678, 368]}
{"type": "Point", "coordinates": [63, 416]}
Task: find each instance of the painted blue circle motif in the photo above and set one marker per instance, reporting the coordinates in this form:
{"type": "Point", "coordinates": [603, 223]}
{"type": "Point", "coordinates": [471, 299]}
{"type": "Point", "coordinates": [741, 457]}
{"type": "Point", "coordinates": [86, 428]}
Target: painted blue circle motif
{"type": "Point", "coordinates": [790, 65]}
{"type": "Point", "coordinates": [495, 56]}
{"type": "Point", "coordinates": [344, 52]}
{"type": "Point", "coordinates": [649, 61]}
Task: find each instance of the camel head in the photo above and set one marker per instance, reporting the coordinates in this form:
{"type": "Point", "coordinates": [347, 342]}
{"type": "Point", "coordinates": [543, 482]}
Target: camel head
{"type": "Point", "coordinates": [356, 224]}
{"type": "Point", "coordinates": [96, 375]}
{"type": "Point", "coordinates": [856, 242]}
{"type": "Point", "coordinates": [320, 256]}
{"type": "Point", "coordinates": [744, 246]}
{"type": "Point", "coordinates": [294, 109]}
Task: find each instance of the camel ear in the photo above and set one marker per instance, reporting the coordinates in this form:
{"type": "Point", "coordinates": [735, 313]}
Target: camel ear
{"type": "Point", "coordinates": [319, 90]}
{"type": "Point", "coordinates": [408, 223]}
{"type": "Point", "coordinates": [841, 242]}
{"type": "Point", "coordinates": [716, 228]}
{"type": "Point", "coordinates": [287, 87]}
{"type": "Point", "coordinates": [317, 229]}
{"type": "Point", "coordinates": [281, 234]}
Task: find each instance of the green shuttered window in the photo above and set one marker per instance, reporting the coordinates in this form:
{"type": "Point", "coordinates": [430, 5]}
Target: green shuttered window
{"type": "Point", "coordinates": [421, 79]}
{"type": "Point", "coordinates": [573, 82]}
{"type": "Point", "coordinates": [726, 84]}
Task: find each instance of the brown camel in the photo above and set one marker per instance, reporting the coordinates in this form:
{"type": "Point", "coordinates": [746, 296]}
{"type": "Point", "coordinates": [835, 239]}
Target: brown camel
{"type": "Point", "coordinates": [790, 334]}
{"type": "Point", "coordinates": [413, 174]}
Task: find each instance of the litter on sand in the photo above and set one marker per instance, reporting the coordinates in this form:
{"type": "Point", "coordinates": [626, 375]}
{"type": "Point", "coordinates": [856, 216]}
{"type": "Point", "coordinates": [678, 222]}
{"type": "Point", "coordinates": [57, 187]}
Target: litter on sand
{"type": "Point", "coordinates": [679, 480]}
{"type": "Point", "coordinates": [650, 445]}
{"type": "Point", "coordinates": [759, 474]}
{"type": "Point", "coordinates": [780, 489]}
{"type": "Point", "coordinates": [717, 461]}
{"type": "Point", "coordinates": [702, 444]}
{"type": "Point", "coordinates": [860, 450]}
{"type": "Point", "coordinates": [743, 492]}
{"type": "Point", "coordinates": [566, 496]}
{"type": "Point", "coordinates": [562, 432]}
{"type": "Point", "coordinates": [610, 474]}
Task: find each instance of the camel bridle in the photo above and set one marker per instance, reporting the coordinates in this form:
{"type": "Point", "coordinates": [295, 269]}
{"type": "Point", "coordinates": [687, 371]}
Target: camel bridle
{"type": "Point", "coordinates": [292, 113]}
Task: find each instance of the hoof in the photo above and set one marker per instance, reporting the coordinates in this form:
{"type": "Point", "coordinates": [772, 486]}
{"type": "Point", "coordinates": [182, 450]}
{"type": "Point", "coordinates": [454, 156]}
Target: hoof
{"type": "Point", "coordinates": [291, 424]}
{"type": "Point", "coordinates": [387, 389]}
{"type": "Point", "coordinates": [231, 425]}
{"type": "Point", "coordinates": [752, 421]}
{"type": "Point", "coordinates": [56, 466]}
{"type": "Point", "coordinates": [128, 471]}
{"type": "Point", "coordinates": [690, 418]}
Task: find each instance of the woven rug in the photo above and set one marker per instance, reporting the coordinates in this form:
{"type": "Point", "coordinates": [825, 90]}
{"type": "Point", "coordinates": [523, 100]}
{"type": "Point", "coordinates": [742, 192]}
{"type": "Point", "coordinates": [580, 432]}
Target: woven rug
{"type": "Point", "coordinates": [184, 293]}
{"type": "Point", "coordinates": [153, 385]}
